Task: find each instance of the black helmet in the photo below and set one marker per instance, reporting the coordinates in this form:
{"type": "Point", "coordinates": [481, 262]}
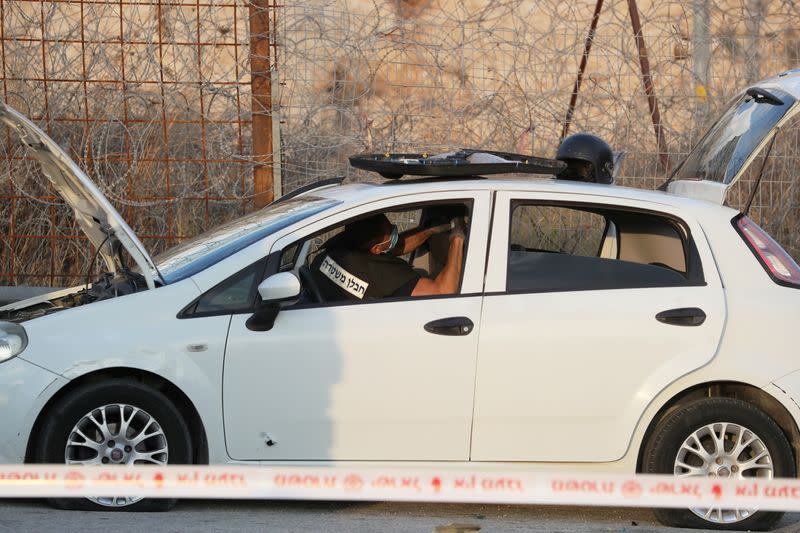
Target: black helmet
{"type": "Point", "coordinates": [588, 148]}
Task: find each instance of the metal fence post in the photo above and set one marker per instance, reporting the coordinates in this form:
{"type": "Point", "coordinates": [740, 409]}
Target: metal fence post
{"type": "Point", "coordinates": [647, 80]}
{"type": "Point", "coordinates": [261, 87]}
{"type": "Point", "coordinates": [701, 55]}
{"type": "Point", "coordinates": [587, 48]}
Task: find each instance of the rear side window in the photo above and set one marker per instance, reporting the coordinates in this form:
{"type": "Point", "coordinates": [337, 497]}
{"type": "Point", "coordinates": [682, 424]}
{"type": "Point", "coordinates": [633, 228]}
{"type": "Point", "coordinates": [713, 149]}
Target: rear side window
{"type": "Point", "coordinates": [566, 248]}
{"type": "Point", "coordinates": [557, 229]}
{"type": "Point", "coordinates": [779, 265]}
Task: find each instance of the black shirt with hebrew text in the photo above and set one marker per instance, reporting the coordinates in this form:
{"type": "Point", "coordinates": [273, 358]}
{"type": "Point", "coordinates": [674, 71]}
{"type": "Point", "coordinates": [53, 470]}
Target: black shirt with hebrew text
{"type": "Point", "coordinates": [346, 274]}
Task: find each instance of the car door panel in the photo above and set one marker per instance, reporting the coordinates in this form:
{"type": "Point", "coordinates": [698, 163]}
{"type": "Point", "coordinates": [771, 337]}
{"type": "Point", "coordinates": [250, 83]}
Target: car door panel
{"type": "Point", "coordinates": [363, 380]}
{"type": "Point", "coordinates": [366, 382]}
{"type": "Point", "coordinates": [566, 375]}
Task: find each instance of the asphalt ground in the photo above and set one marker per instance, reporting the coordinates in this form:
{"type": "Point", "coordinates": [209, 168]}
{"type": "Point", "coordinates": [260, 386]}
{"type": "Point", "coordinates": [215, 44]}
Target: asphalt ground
{"type": "Point", "coordinates": [300, 517]}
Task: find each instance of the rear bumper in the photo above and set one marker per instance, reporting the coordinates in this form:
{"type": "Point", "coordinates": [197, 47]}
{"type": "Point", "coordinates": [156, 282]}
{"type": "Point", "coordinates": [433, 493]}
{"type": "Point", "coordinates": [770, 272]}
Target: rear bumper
{"type": "Point", "coordinates": [24, 390]}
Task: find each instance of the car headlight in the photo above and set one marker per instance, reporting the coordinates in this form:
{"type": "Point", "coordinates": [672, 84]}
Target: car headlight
{"type": "Point", "coordinates": [13, 340]}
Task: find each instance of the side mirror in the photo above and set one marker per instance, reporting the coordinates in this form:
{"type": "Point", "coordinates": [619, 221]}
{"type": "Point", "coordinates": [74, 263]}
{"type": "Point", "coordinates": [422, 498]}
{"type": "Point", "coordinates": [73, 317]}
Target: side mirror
{"type": "Point", "coordinates": [278, 289]}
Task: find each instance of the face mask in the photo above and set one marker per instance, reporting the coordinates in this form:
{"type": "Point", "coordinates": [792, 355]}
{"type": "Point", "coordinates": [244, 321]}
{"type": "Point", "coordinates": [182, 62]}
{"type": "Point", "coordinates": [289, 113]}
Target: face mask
{"type": "Point", "coordinates": [393, 238]}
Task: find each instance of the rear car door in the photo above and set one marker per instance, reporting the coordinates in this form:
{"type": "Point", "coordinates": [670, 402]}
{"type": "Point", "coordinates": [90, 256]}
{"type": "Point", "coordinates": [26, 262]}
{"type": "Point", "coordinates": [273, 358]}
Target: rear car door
{"type": "Point", "coordinates": [576, 340]}
{"type": "Point", "coordinates": [359, 380]}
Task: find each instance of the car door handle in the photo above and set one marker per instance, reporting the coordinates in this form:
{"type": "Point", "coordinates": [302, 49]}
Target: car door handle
{"type": "Point", "coordinates": [683, 316]}
{"type": "Point", "coordinates": [454, 325]}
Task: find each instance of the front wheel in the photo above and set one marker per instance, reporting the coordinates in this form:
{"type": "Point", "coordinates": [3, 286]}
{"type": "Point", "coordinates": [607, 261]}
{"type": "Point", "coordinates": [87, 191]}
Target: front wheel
{"type": "Point", "coordinates": [116, 422]}
{"type": "Point", "coordinates": [725, 438]}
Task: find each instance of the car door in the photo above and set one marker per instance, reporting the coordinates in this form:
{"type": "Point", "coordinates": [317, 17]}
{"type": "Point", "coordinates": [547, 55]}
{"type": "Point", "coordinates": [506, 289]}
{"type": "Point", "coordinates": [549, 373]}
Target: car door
{"type": "Point", "coordinates": [359, 381]}
{"type": "Point", "coordinates": [571, 350]}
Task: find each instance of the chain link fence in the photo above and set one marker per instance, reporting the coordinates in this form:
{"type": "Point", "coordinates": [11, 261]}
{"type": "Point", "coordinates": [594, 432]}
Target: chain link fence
{"type": "Point", "coordinates": [153, 98]}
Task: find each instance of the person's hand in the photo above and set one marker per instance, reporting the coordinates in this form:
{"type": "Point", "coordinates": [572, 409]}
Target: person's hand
{"type": "Point", "coordinates": [458, 228]}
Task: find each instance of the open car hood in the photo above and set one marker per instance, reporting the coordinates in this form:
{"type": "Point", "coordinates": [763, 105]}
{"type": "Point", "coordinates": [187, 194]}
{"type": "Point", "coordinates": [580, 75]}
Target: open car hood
{"type": "Point", "coordinates": [728, 148]}
{"type": "Point", "coordinates": [98, 219]}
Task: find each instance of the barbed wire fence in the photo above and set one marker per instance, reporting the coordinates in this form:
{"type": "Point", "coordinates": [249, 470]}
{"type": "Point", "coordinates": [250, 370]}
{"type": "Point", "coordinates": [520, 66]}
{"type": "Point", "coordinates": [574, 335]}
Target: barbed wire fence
{"type": "Point", "coordinates": [154, 99]}
{"type": "Point", "coordinates": [149, 97]}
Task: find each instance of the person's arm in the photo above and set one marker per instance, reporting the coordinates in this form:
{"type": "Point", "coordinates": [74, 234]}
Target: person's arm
{"type": "Point", "coordinates": [413, 239]}
{"type": "Point", "coordinates": [446, 282]}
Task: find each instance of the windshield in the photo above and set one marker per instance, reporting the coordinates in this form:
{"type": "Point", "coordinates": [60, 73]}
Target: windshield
{"type": "Point", "coordinates": [723, 150]}
{"type": "Point", "coordinates": [199, 253]}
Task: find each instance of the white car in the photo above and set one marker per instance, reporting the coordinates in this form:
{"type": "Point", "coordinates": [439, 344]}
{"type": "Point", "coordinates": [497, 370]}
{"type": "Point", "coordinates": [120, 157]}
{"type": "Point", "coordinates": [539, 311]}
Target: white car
{"type": "Point", "coordinates": [594, 327]}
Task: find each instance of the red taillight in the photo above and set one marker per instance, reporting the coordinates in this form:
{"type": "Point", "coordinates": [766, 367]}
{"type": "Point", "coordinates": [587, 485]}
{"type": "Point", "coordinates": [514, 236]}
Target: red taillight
{"type": "Point", "coordinates": [774, 258]}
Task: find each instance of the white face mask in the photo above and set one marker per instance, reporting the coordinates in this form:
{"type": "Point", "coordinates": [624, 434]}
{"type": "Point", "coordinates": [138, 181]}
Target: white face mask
{"type": "Point", "coordinates": [393, 238]}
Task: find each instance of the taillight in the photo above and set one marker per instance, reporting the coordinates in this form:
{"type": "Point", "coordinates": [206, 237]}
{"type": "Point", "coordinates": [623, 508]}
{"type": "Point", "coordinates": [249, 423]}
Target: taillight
{"type": "Point", "coordinates": [775, 260]}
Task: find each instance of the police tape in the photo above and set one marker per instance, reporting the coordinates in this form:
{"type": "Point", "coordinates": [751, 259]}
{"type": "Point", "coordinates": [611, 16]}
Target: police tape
{"type": "Point", "coordinates": [472, 485]}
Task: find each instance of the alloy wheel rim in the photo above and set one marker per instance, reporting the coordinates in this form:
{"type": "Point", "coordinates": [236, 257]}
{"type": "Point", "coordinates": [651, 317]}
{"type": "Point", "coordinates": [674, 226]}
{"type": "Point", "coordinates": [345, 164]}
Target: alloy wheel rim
{"type": "Point", "coordinates": [723, 450]}
{"type": "Point", "coordinates": [116, 434]}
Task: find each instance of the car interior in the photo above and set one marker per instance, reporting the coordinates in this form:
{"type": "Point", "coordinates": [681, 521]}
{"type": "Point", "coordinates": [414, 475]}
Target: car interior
{"type": "Point", "coordinates": [427, 260]}
{"type": "Point", "coordinates": [568, 248]}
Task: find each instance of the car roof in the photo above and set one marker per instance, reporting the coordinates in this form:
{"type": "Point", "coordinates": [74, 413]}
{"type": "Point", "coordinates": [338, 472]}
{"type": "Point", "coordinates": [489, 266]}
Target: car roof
{"type": "Point", "coordinates": [359, 193]}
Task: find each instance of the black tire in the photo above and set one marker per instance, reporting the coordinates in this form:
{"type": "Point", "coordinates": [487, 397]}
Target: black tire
{"type": "Point", "coordinates": [664, 444]}
{"type": "Point", "coordinates": [61, 419]}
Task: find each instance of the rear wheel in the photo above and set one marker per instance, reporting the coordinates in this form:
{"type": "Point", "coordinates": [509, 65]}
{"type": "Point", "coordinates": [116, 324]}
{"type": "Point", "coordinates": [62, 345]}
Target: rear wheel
{"type": "Point", "coordinates": [116, 422]}
{"type": "Point", "coordinates": [719, 437]}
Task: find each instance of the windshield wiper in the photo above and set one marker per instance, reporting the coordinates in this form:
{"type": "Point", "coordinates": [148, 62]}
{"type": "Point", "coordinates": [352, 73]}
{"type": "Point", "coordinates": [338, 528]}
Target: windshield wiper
{"type": "Point", "coordinates": [763, 96]}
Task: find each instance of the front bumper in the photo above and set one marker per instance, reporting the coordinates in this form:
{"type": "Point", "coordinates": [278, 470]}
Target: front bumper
{"type": "Point", "coordinates": [24, 390]}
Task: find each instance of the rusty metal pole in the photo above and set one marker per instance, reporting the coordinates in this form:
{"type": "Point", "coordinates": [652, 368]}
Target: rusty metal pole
{"type": "Point", "coordinates": [647, 80]}
{"type": "Point", "coordinates": [261, 87]}
{"type": "Point", "coordinates": [587, 47]}
{"type": "Point", "coordinates": [701, 57]}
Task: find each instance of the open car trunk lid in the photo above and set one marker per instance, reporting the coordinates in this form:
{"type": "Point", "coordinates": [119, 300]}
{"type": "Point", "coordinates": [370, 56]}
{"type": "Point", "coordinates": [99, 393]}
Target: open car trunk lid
{"type": "Point", "coordinates": [724, 153]}
{"type": "Point", "coordinates": [98, 219]}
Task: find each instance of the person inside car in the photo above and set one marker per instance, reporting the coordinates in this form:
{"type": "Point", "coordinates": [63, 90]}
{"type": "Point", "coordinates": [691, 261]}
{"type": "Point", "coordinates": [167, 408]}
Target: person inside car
{"type": "Point", "coordinates": [588, 158]}
{"type": "Point", "coordinates": [362, 262]}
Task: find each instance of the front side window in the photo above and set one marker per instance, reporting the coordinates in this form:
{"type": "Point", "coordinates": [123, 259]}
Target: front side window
{"type": "Point", "coordinates": [565, 248]}
{"type": "Point", "coordinates": [404, 252]}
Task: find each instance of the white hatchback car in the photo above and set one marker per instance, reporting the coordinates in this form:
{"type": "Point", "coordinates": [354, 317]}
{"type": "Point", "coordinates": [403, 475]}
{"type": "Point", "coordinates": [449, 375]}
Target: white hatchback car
{"type": "Point", "coordinates": [594, 326]}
